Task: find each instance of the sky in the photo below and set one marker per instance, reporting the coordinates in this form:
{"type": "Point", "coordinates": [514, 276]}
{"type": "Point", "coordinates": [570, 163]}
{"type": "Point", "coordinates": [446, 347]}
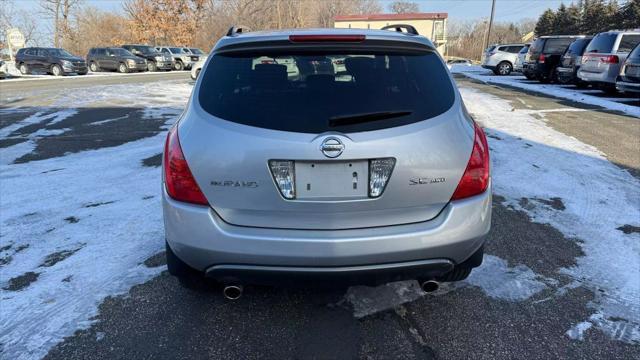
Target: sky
{"type": "Point", "coordinates": [506, 10]}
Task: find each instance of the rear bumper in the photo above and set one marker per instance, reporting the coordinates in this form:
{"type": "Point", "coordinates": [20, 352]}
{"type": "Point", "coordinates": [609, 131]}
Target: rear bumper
{"type": "Point", "coordinates": [597, 77]}
{"type": "Point", "coordinates": [628, 87]}
{"type": "Point", "coordinates": [199, 237]}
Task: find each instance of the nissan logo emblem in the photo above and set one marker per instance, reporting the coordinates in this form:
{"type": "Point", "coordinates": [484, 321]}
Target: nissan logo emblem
{"type": "Point", "coordinates": [332, 147]}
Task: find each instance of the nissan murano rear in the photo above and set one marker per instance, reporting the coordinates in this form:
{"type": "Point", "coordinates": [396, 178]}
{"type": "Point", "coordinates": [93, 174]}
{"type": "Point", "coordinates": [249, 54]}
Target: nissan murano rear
{"type": "Point", "coordinates": [334, 155]}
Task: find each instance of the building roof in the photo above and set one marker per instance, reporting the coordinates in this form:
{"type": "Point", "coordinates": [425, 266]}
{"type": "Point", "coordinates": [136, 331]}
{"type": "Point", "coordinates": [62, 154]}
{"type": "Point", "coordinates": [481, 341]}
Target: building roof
{"type": "Point", "coordinates": [382, 17]}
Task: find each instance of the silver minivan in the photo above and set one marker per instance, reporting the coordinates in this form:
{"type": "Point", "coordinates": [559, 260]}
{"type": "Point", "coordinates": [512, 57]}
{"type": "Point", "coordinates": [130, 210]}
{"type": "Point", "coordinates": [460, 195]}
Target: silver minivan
{"type": "Point", "coordinates": [373, 174]}
{"type": "Point", "coordinates": [604, 56]}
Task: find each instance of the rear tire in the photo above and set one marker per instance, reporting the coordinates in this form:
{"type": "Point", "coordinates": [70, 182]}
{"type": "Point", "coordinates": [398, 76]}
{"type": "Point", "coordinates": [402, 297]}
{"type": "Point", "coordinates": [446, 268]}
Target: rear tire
{"type": "Point", "coordinates": [504, 68]}
{"type": "Point", "coordinates": [94, 67]}
{"type": "Point", "coordinates": [529, 76]}
{"type": "Point", "coordinates": [56, 70]}
{"type": "Point", "coordinates": [462, 270]}
{"type": "Point", "coordinates": [177, 267]}
{"type": "Point", "coordinates": [24, 69]}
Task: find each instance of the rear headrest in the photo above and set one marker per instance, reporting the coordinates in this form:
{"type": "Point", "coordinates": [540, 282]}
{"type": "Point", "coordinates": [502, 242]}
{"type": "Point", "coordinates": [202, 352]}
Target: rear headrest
{"type": "Point", "coordinates": [359, 65]}
{"type": "Point", "coordinates": [320, 81]}
{"type": "Point", "coordinates": [265, 74]}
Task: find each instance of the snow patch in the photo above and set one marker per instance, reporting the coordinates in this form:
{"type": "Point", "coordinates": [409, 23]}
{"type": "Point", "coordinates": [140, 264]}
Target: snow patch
{"type": "Point", "coordinates": [108, 243]}
{"type": "Point", "coordinates": [499, 281]}
{"type": "Point", "coordinates": [478, 73]}
{"type": "Point", "coordinates": [532, 160]}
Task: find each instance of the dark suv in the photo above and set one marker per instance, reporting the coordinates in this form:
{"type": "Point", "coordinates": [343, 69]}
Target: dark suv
{"type": "Point", "coordinates": [629, 79]}
{"type": "Point", "coordinates": [544, 56]}
{"type": "Point", "coordinates": [50, 60]}
{"type": "Point", "coordinates": [567, 72]}
{"type": "Point", "coordinates": [114, 59]}
{"type": "Point", "coordinates": [155, 59]}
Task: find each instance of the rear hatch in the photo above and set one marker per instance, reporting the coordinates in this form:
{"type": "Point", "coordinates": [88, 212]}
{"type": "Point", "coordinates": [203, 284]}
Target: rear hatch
{"type": "Point", "coordinates": [597, 53]}
{"type": "Point", "coordinates": [631, 70]}
{"type": "Point", "coordinates": [284, 138]}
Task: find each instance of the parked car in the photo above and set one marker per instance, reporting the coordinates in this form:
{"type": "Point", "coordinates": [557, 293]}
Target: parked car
{"type": "Point", "coordinates": [567, 71]}
{"type": "Point", "coordinates": [500, 58]}
{"type": "Point", "coordinates": [181, 59]}
{"type": "Point", "coordinates": [114, 59]}
{"type": "Point", "coordinates": [544, 56]}
{"type": "Point", "coordinates": [518, 65]}
{"type": "Point", "coordinates": [465, 62]}
{"type": "Point", "coordinates": [604, 57]}
{"type": "Point", "coordinates": [196, 68]}
{"type": "Point", "coordinates": [629, 79]}
{"type": "Point", "coordinates": [269, 178]}
{"type": "Point", "coordinates": [53, 61]}
{"type": "Point", "coordinates": [155, 60]}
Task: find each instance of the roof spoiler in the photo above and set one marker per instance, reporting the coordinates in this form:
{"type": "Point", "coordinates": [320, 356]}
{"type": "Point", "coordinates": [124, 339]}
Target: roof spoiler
{"type": "Point", "coordinates": [398, 27]}
{"type": "Point", "coordinates": [235, 30]}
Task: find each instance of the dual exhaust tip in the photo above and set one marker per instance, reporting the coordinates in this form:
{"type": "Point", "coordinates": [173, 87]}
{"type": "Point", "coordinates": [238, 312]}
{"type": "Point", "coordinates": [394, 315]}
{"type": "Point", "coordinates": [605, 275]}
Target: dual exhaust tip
{"type": "Point", "coordinates": [234, 292]}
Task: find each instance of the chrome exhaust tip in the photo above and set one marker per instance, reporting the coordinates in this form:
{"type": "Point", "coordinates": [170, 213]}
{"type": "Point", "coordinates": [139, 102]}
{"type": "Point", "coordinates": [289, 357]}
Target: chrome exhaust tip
{"type": "Point", "coordinates": [232, 292]}
{"type": "Point", "coordinates": [429, 286]}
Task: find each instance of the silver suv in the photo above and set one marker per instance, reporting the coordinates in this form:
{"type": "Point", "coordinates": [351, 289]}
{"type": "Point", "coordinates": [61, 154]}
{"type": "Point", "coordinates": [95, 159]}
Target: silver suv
{"type": "Point", "coordinates": [604, 56]}
{"type": "Point", "coordinates": [372, 174]}
{"type": "Point", "coordinates": [501, 58]}
{"type": "Point", "coordinates": [182, 60]}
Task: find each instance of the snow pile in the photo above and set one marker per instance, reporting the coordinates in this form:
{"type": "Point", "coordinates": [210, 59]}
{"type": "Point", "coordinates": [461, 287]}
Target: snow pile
{"type": "Point", "coordinates": [532, 160]}
{"type": "Point", "coordinates": [76, 229]}
{"type": "Point", "coordinates": [519, 81]}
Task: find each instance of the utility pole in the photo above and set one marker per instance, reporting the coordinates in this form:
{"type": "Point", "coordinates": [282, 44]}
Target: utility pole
{"type": "Point", "coordinates": [486, 39]}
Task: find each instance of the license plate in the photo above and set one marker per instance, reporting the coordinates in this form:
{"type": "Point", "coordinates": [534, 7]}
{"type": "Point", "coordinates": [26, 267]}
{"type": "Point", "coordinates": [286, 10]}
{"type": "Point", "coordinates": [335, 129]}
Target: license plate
{"type": "Point", "coordinates": [331, 179]}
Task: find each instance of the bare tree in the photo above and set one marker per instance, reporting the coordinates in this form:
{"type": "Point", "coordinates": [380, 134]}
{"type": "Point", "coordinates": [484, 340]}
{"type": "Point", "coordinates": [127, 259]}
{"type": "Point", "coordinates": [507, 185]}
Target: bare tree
{"type": "Point", "coordinates": [404, 7]}
{"type": "Point", "coordinates": [60, 12]}
{"type": "Point", "coordinates": [21, 19]}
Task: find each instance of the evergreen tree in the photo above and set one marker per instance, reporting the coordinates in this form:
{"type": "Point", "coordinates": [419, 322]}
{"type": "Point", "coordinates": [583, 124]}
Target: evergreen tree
{"type": "Point", "coordinates": [612, 16]}
{"type": "Point", "coordinates": [573, 24]}
{"type": "Point", "coordinates": [594, 17]}
{"type": "Point", "coordinates": [545, 23]}
{"type": "Point", "coordinates": [630, 15]}
{"type": "Point", "coordinates": [559, 26]}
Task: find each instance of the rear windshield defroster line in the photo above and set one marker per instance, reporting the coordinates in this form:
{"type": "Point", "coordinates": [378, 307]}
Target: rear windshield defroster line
{"type": "Point", "coordinates": [303, 91]}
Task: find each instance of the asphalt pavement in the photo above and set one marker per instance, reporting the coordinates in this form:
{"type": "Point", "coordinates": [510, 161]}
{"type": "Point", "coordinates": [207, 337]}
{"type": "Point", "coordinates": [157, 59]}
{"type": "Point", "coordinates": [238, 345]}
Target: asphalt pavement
{"type": "Point", "coordinates": [162, 319]}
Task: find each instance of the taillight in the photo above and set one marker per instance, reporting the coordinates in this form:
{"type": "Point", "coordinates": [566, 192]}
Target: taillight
{"type": "Point", "coordinates": [610, 59]}
{"type": "Point", "coordinates": [179, 181]}
{"type": "Point", "coordinates": [475, 179]}
{"type": "Point", "coordinates": [327, 38]}
{"type": "Point", "coordinates": [542, 59]}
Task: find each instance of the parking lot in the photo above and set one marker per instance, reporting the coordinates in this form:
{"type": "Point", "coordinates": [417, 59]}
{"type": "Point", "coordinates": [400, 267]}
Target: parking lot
{"type": "Point", "coordinates": [81, 239]}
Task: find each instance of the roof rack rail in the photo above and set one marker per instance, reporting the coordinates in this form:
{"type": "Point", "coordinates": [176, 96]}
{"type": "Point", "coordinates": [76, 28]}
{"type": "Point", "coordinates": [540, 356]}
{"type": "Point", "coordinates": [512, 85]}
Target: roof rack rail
{"type": "Point", "coordinates": [235, 30]}
{"type": "Point", "coordinates": [398, 27]}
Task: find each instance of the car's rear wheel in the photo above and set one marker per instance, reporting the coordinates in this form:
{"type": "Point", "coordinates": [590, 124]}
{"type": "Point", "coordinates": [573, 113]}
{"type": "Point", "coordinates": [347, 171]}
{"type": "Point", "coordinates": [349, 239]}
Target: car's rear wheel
{"type": "Point", "coordinates": [504, 68]}
{"type": "Point", "coordinates": [93, 67]}
{"type": "Point", "coordinates": [179, 66]}
{"type": "Point", "coordinates": [151, 66]}
{"type": "Point", "coordinates": [56, 70]}
{"type": "Point", "coordinates": [178, 267]}
{"type": "Point", "coordinates": [462, 270]}
{"type": "Point", "coordinates": [24, 70]}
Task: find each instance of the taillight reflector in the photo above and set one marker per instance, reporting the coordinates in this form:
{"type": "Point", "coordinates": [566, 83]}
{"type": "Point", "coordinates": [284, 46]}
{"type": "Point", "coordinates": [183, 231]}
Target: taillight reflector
{"type": "Point", "coordinates": [475, 179]}
{"type": "Point", "coordinates": [327, 38]}
{"type": "Point", "coordinates": [179, 181]}
{"type": "Point", "coordinates": [542, 59]}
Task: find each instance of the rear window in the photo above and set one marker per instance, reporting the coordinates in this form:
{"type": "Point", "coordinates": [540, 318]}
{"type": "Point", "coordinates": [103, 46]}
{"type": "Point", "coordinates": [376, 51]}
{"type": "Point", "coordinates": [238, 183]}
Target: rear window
{"type": "Point", "coordinates": [628, 42]}
{"type": "Point", "coordinates": [635, 54]}
{"type": "Point", "coordinates": [557, 46]}
{"type": "Point", "coordinates": [315, 93]}
{"type": "Point", "coordinates": [577, 47]}
{"type": "Point", "coordinates": [602, 43]}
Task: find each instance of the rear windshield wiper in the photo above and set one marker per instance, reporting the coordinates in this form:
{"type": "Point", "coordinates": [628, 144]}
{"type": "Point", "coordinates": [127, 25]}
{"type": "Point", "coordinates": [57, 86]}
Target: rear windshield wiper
{"type": "Point", "coordinates": [366, 117]}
